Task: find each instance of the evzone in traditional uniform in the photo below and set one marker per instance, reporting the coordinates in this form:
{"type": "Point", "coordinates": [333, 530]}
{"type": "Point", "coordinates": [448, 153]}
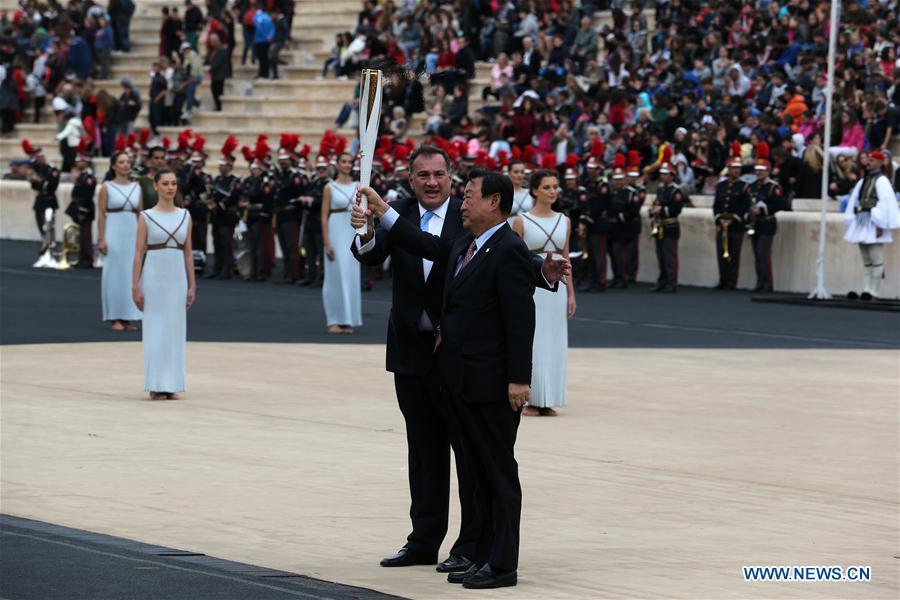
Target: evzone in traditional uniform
{"type": "Point", "coordinates": [290, 186]}
{"type": "Point", "coordinates": [222, 202]}
{"type": "Point", "coordinates": [766, 198]}
{"type": "Point", "coordinates": [81, 208]}
{"type": "Point", "coordinates": [44, 179]}
{"type": "Point", "coordinates": [871, 214]}
{"type": "Point", "coordinates": [666, 229]}
{"type": "Point", "coordinates": [730, 208]}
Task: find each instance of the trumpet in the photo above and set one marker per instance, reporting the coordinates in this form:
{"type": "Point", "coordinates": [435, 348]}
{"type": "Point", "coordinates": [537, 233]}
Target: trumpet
{"type": "Point", "coordinates": [725, 254]}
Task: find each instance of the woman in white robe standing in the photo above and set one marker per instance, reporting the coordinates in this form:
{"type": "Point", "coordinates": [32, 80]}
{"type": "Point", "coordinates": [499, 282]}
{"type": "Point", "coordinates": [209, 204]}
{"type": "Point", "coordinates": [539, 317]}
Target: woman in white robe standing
{"type": "Point", "coordinates": [547, 231]}
{"type": "Point", "coordinates": [341, 290]}
{"type": "Point", "coordinates": [164, 287]}
{"type": "Point", "coordinates": [119, 203]}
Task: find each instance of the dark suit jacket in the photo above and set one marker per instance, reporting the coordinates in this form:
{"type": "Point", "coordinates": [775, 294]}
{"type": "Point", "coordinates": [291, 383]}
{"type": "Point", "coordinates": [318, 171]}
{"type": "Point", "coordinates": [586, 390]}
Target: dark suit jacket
{"type": "Point", "coordinates": [408, 351]}
{"type": "Point", "coordinates": [487, 321]}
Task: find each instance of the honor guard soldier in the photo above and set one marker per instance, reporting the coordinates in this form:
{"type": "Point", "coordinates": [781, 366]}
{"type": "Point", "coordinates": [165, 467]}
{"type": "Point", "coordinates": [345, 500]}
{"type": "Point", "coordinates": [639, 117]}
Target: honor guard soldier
{"type": "Point", "coordinates": [312, 223]}
{"type": "Point", "coordinates": [196, 190]}
{"type": "Point", "coordinates": [634, 180]}
{"type": "Point", "coordinates": [624, 216]}
{"type": "Point", "coordinates": [81, 208]}
{"type": "Point", "coordinates": [257, 194]}
{"type": "Point", "coordinates": [666, 230]}
{"type": "Point", "coordinates": [44, 179]}
{"type": "Point", "coordinates": [730, 208]}
{"type": "Point", "coordinates": [290, 187]}
{"type": "Point", "coordinates": [594, 225]}
{"type": "Point", "coordinates": [767, 198]}
{"type": "Point", "coordinates": [223, 199]}
{"type": "Point", "coordinates": [572, 202]}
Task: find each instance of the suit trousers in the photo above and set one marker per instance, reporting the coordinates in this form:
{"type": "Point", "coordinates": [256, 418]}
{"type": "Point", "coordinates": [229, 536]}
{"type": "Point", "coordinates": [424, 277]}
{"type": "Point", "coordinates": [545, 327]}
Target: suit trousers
{"type": "Point", "coordinates": [729, 268]}
{"type": "Point", "coordinates": [488, 435]}
{"type": "Point", "coordinates": [762, 254]}
{"type": "Point", "coordinates": [667, 257]}
{"type": "Point", "coordinates": [431, 430]}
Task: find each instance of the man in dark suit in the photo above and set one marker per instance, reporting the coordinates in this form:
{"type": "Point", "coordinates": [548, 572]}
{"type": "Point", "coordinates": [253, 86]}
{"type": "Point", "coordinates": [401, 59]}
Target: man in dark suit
{"type": "Point", "coordinates": [483, 350]}
{"type": "Point", "coordinates": [431, 427]}
{"type": "Point", "coordinates": [418, 291]}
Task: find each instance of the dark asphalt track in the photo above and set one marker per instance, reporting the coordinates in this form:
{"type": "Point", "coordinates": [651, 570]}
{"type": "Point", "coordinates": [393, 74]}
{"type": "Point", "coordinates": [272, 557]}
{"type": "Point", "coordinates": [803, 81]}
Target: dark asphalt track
{"type": "Point", "coordinates": [39, 561]}
{"type": "Point", "coordinates": [45, 306]}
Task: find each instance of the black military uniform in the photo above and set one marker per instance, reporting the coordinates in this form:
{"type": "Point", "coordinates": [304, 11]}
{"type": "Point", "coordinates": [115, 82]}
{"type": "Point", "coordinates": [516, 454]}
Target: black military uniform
{"type": "Point", "coordinates": [312, 231]}
{"type": "Point", "coordinates": [595, 218]}
{"type": "Point", "coordinates": [224, 195]}
{"type": "Point", "coordinates": [730, 207]}
{"type": "Point", "coordinates": [81, 211]}
{"type": "Point", "coordinates": [632, 242]}
{"type": "Point", "coordinates": [196, 188]}
{"type": "Point", "coordinates": [290, 185]}
{"type": "Point", "coordinates": [770, 198]}
{"type": "Point", "coordinates": [670, 200]}
{"type": "Point", "coordinates": [573, 202]}
{"type": "Point", "coordinates": [625, 218]}
{"type": "Point", "coordinates": [258, 190]}
{"type": "Point", "coordinates": [44, 181]}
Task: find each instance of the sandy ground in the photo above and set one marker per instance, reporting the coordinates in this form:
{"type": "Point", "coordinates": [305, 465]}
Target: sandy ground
{"type": "Point", "coordinates": [668, 471]}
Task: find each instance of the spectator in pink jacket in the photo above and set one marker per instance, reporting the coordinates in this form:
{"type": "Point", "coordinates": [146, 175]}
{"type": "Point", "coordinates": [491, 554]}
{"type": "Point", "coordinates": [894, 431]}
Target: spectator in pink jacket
{"type": "Point", "coordinates": [853, 138]}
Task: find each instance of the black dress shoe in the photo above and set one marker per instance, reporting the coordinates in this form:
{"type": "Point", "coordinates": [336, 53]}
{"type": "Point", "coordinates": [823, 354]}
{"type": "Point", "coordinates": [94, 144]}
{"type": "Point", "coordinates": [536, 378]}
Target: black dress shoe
{"type": "Point", "coordinates": [488, 578]}
{"type": "Point", "coordinates": [405, 558]}
{"type": "Point", "coordinates": [459, 577]}
{"type": "Point", "coordinates": [454, 564]}
{"type": "Point", "coordinates": [852, 296]}
{"type": "Point", "coordinates": [866, 297]}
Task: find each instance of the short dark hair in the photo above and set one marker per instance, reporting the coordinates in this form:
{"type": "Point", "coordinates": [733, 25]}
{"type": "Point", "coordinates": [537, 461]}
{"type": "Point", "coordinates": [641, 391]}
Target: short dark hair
{"type": "Point", "coordinates": [516, 161]}
{"type": "Point", "coordinates": [154, 149]}
{"type": "Point", "coordinates": [427, 151]}
{"type": "Point", "coordinates": [495, 183]}
{"type": "Point", "coordinates": [164, 171]}
{"type": "Point", "coordinates": [539, 176]}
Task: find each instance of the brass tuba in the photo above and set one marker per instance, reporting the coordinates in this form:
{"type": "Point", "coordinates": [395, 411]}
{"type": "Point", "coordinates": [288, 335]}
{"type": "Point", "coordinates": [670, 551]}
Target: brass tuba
{"type": "Point", "coordinates": [71, 246]}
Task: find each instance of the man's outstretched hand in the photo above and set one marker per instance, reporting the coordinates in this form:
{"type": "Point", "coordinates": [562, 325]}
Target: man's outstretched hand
{"type": "Point", "coordinates": [555, 270]}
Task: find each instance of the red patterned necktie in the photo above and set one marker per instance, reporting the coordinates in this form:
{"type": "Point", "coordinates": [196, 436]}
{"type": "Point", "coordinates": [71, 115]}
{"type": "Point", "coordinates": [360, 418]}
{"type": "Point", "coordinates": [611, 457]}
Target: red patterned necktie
{"type": "Point", "coordinates": [462, 265]}
{"type": "Point", "coordinates": [467, 258]}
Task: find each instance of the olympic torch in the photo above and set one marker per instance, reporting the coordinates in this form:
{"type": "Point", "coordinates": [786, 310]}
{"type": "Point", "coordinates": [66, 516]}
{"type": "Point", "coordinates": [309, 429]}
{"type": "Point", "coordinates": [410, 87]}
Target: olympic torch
{"type": "Point", "coordinates": [369, 117]}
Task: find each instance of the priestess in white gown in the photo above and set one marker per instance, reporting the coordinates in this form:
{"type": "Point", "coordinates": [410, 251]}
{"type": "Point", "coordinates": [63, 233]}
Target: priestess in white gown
{"type": "Point", "coordinates": [164, 288]}
{"type": "Point", "coordinates": [545, 230]}
{"type": "Point", "coordinates": [342, 288]}
{"type": "Point", "coordinates": [119, 205]}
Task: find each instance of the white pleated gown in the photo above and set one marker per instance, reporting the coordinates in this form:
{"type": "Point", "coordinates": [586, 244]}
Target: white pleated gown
{"type": "Point", "coordinates": [551, 334]}
{"type": "Point", "coordinates": [164, 284]}
{"type": "Point", "coordinates": [341, 290]}
{"type": "Point", "coordinates": [120, 235]}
